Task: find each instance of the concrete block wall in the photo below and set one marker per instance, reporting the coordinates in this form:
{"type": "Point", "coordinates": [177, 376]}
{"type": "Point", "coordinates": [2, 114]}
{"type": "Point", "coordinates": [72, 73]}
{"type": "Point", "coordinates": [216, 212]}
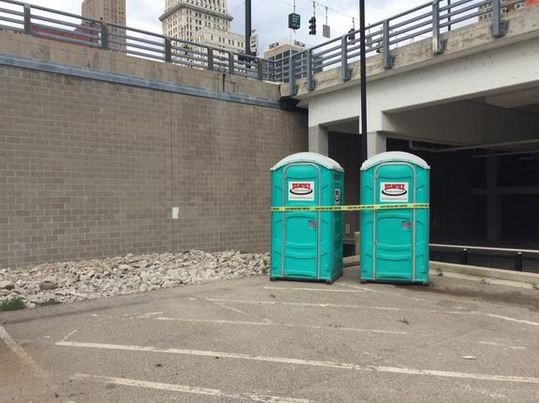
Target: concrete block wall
{"type": "Point", "coordinates": [90, 168]}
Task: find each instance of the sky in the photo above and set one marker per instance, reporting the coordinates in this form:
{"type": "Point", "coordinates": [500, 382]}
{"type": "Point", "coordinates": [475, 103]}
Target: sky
{"type": "Point", "coordinates": [270, 17]}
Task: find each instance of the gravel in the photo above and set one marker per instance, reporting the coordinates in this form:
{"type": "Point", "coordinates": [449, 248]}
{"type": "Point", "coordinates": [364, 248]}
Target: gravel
{"type": "Point", "coordinates": [83, 280]}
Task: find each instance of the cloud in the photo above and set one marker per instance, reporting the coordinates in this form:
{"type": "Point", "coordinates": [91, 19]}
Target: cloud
{"type": "Point", "coordinates": [269, 17]}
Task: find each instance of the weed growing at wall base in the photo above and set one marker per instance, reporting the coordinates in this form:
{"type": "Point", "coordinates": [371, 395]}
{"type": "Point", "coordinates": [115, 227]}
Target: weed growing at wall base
{"type": "Point", "coordinates": [14, 304]}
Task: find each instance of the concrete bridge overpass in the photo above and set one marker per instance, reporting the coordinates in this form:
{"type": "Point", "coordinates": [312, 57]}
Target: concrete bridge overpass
{"type": "Point", "coordinates": [467, 101]}
{"type": "Point", "coordinates": [490, 84]}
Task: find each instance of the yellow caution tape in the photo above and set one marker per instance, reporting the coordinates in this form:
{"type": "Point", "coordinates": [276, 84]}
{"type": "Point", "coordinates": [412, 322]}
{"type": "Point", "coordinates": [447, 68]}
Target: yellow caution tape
{"type": "Point", "coordinates": [364, 207]}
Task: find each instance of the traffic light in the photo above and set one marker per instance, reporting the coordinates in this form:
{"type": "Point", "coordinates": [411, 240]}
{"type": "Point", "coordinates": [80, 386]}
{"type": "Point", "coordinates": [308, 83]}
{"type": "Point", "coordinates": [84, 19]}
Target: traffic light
{"type": "Point", "coordinates": [312, 26]}
{"type": "Point", "coordinates": [352, 36]}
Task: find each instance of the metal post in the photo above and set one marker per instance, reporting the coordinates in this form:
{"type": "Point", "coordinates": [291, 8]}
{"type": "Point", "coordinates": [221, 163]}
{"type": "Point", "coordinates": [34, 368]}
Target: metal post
{"type": "Point", "coordinates": [27, 19]}
{"type": "Point", "coordinates": [231, 62]}
{"type": "Point", "coordinates": [104, 36]}
{"type": "Point", "coordinates": [449, 15]}
{"type": "Point", "coordinates": [210, 59]}
{"type": "Point", "coordinates": [464, 256]}
{"type": "Point", "coordinates": [388, 58]}
{"type": "Point", "coordinates": [311, 84]}
{"type": "Point", "coordinates": [260, 69]}
{"type": "Point", "coordinates": [363, 78]}
{"type": "Point", "coordinates": [498, 26]}
{"type": "Point", "coordinates": [168, 50]}
{"type": "Point", "coordinates": [437, 44]}
{"type": "Point", "coordinates": [519, 265]}
{"type": "Point", "coordinates": [293, 89]}
{"type": "Point", "coordinates": [345, 70]}
{"type": "Point", "coordinates": [248, 27]}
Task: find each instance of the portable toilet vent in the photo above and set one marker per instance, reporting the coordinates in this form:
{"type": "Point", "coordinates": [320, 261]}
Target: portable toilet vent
{"type": "Point", "coordinates": [307, 245]}
{"type": "Point", "coordinates": [395, 241]}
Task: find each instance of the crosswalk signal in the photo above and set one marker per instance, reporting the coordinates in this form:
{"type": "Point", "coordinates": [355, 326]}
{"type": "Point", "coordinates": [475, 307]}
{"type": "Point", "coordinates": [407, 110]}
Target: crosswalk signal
{"type": "Point", "coordinates": [312, 26]}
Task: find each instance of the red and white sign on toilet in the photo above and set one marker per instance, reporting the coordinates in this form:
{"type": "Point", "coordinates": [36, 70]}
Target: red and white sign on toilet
{"type": "Point", "coordinates": [303, 191]}
{"type": "Point", "coordinates": [394, 192]}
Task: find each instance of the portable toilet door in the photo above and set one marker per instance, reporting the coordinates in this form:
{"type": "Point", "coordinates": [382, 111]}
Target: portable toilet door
{"type": "Point", "coordinates": [395, 242]}
{"type": "Point", "coordinates": [306, 245]}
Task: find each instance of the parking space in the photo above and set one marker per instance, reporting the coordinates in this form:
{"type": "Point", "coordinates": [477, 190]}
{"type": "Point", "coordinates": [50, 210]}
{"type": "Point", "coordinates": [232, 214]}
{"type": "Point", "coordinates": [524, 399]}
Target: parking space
{"type": "Point", "coordinates": [255, 340]}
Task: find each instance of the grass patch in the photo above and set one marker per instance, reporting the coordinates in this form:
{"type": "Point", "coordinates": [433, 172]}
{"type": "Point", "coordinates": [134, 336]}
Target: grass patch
{"type": "Point", "coordinates": [535, 286]}
{"type": "Point", "coordinates": [15, 304]}
{"type": "Point", "coordinates": [49, 302]}
{"type": "Point", "coordinates": [439, 272]}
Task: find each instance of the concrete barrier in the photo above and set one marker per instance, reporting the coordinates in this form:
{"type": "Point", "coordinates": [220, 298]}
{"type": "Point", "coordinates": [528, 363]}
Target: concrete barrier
{"type": "Point", "coordinates": [483, 272]}
{"type": "Point", "coordinates": [486, 272]}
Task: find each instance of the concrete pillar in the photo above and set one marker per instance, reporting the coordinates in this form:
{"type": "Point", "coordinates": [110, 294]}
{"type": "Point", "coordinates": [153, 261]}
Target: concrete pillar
{"type": "Point", "coordinates": [494, 211]}
{"type": "Point", "coordinates": [376, 144]}
{"type": "Point", "coordinates": [318, 140]}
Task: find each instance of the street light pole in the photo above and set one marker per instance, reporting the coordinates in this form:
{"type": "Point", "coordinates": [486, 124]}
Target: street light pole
{"type": "Point", "coordinates": [363, 77]}
{"type": "Point", "coordinates": [248, 27]}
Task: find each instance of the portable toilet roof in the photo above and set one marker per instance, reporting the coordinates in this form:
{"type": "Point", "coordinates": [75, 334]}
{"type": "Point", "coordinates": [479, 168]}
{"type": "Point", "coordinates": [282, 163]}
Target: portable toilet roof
{"type": "Point", "coordinates": [394, 156]}
{"type": "Point", "coordinates": [315, 158]}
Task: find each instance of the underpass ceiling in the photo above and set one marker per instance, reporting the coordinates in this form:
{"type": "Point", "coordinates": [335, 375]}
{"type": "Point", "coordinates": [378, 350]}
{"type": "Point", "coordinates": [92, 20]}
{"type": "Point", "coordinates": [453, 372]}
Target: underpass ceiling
{"type": "Point", "coordinates": [525, 100]}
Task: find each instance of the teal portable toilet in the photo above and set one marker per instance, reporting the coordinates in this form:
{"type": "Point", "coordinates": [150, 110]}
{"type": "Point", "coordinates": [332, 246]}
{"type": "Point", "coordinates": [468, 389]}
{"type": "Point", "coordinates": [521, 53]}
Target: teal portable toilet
{"type": "Point", "coordinates": [307, 245]}
{"type": "Point", "coordinates": [395, 242]}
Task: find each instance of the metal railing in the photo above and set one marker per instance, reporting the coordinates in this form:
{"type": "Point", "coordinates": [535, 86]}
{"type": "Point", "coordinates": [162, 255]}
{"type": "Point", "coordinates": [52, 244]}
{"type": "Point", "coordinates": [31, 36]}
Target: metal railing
{"type": "Point", "coordinates": [75, 29]}
{"type": "Point", "coordinates": [503, 258]}
{"type": "Point", "coordinates": [430, 20]}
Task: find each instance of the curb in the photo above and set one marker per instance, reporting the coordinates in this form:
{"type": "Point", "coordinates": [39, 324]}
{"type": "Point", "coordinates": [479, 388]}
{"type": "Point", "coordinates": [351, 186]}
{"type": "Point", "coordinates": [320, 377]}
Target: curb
{"type": "Point", "coordinates": [476, 271]}
{"type": "Point", "coordinates": [486, 272]}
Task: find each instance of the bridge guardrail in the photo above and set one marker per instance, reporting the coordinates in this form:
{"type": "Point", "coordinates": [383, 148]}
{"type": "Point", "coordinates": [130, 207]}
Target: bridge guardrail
{"type": "Point", "coordinates": [72, 28]}
{"type": "Point", "coordinates": [429, 20]}
{"type": "Point", "coordinates": [516, 257]}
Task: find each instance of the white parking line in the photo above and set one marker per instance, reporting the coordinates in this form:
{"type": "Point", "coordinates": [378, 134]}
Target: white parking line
{"type": "Point", "coordinates": [254, 302]}
{"type": "Point", "coordinates": [148, 315]}
{"type": "Point", "coordinates": [314, 289]}
{"type": "Point", "coordinates": [231, 309]}
{"type": "Point", "coordinates": [493, 316]}
{"type": "Point", "coordinates": [490, 343]}
{"type": "Point", "coordinates": [276, 324]}
{"type": "Point", "coordinates": [20, 353]}
{"type": "Point", "coordinates": [70, 334]}
{"type": "Point", "coordinates": [525, 322]}
{"type": "Point", "coordinates": [389, 294]}
{"type": "Point", "coordinates": [312, 363]}
{"type": "Point", "coordinates": [253, 397]}
{"type": "Point", "coordinates": [378, 308]}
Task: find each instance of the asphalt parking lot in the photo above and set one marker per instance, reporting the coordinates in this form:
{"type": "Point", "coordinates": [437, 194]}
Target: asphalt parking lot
{"type": "Point", "coordinates": [256, 340]}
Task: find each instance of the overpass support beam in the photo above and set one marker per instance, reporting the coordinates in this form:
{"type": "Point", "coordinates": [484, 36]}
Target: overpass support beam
{"type": "Point", "coordinates": [376, 144]}
{"type": "Point", "coordinates": [318, 140]}
{"type": "Point", "coordinates": [494, 211]}
{"type": "Point", "coordinates": [498, 25]}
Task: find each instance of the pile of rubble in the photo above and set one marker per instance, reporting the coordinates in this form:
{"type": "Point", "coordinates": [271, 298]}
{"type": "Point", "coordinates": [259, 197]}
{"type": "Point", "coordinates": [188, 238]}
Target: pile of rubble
{"type": "Point", "coordinates": [97, 278]}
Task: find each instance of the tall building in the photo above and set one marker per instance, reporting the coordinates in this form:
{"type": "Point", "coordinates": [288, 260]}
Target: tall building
{"type": "Point", "coordinates": [108, 11]}
{"type": "Point", "coordinates": [280, 53]}
{"type": "Point", "coordinates": [254, 42]}
{"type": "Point", "coordinates": [507, 7]}
{"type": "Point", "coordinates": [201, 21]}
